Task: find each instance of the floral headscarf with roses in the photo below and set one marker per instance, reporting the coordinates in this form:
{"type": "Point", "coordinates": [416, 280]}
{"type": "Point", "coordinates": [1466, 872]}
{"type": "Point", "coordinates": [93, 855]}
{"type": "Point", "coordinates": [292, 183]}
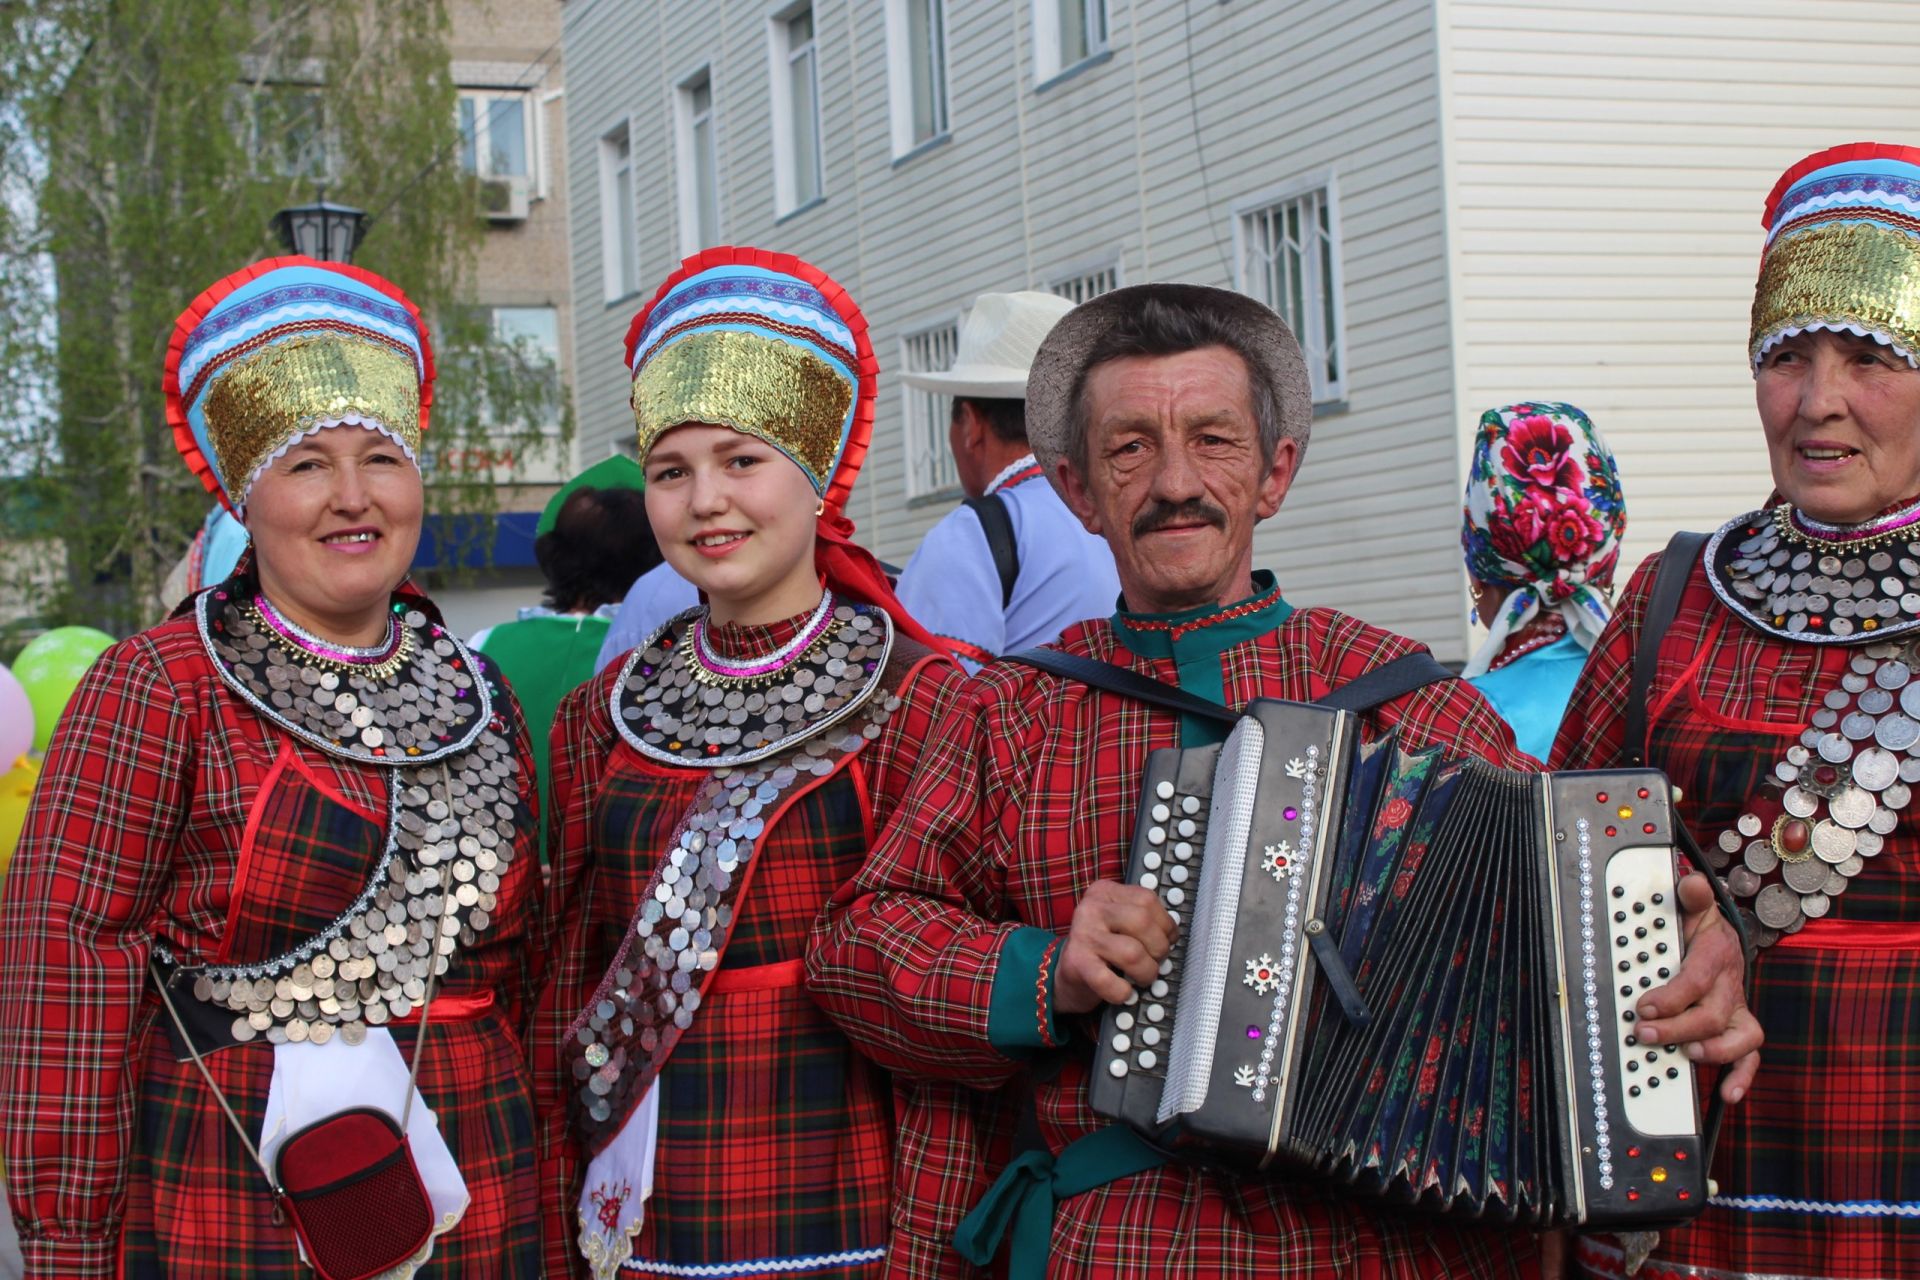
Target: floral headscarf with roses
{"type": "Point", "coordinates": [1544, 518]}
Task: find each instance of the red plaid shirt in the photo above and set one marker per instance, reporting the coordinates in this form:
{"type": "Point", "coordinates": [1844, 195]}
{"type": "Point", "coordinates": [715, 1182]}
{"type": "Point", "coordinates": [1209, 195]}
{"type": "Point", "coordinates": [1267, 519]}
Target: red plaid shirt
{"type": "Point", "coordinates": [169, 810]}
{"type": "Point", "coordinates": [1819, 1168]}
{"type": "Point", "coordinates": [1024, 797]}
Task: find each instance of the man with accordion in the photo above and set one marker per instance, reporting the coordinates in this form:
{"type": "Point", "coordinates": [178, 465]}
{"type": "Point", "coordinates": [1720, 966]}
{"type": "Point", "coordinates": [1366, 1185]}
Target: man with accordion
{"type": "Point", "coordinates": [1031, 899]}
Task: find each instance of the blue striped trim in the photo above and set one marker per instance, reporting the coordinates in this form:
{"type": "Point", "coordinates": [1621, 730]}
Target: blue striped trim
{"type": "Point", "coordinates": [758, 1267]}
{"type": "Point", "coordinates": [1824, 1208]}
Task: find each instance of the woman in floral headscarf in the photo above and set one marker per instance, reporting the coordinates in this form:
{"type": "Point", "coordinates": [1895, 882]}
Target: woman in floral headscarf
{"type": "Point", "coordinates": [1542, 536]}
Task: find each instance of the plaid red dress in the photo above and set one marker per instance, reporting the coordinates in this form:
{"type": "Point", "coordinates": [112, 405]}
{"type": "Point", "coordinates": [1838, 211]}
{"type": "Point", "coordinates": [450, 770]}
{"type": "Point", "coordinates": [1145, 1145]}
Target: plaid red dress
{"type": "Point", "coordinates": [169, 810]}
{"type": "Point", "coordinates": [936, 957]}
{"type": "Point", "coordinates": [1819, 1169]}
{"type": "Point", "coordinates": [775, 1147]}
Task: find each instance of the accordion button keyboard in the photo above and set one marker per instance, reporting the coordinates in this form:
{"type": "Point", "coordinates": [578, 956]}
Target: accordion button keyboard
{"type": "Point", "coordinates": [1117, 1068]}
{"type": "Point", "coordinates": [1148, 1061]}
{"type": "Point", "coordinates": [1123, 1020]}
{"type": "Point", "coordinates": [1183, 851]}
{"type": "Point", "coordinates": [1176, 896]}
{"type": "Point", "coordinates": [1150, 1037]}
{"type": "Point", "coordinates": [1123, 1042]}
{"type": "Point", "coordinates": [1635, 878]}
{"type": "Point", "coordinates": [1190, 804]}
{"type": "Point", "coordinates": [1164, 791]}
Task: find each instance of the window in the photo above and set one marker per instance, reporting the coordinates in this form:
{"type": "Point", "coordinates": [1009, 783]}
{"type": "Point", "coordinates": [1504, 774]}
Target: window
{"type": "Point", "coordinates": [532, 337]}
{"type": "Point", "coordinates": [1066, 33]}
{"type": "Point", "coordinates": [916, 71]}
{"type": "Point", "coordinates": [796, 111]}
{"type": "Point", "coordinates": [286, 132]}
{"type": "Point", "coordinates": [699, 175]}
{"type": "Point", "coordinates": [496, 134]}
{"type": "Point", "coordinates": [1086, 283]}
{"type": "Point", "coordinates": [930, 465]}
{"type": "Point", "coordinates": [619, 233]}
{"type": "Point", "coordinates": [1289, 258]}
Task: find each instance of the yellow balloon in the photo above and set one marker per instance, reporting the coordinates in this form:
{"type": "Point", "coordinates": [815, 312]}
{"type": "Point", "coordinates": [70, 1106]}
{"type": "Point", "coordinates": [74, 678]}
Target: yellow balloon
{"type": "Point", "coordinates": [16, 789]}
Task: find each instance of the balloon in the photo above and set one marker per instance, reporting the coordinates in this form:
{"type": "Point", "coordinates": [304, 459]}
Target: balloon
{"type": "Point", "coordinates": [16, 717]}
{"type": "Point", "coordinates": [50, 668]}
{"type": "Point", "coordinates": [16, 788]}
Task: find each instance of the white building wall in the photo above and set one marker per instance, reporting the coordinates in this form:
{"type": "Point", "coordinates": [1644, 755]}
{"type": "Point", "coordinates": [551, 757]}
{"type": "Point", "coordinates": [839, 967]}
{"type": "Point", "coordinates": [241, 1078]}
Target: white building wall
{"type": "Point", "coordinates": [1145, 154]}
{"type": "Point", "coordinates": [1608, 166]}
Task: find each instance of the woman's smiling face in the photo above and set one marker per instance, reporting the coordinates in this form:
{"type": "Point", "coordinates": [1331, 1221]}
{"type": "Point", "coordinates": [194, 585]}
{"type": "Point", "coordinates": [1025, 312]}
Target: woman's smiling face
{"type": "Point", "coordinates": [1842, 420]}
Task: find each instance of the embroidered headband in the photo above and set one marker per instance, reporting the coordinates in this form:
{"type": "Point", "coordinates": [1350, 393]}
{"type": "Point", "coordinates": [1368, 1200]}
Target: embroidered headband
{"type": "Point", "coordinates": [1543, 520]}
{"type": "Point", "coordinates": [1843, 249]}
{"type": "Point", "coordinates": [763, 343]}
{"type": "Point", "coordinates": [284, 348]}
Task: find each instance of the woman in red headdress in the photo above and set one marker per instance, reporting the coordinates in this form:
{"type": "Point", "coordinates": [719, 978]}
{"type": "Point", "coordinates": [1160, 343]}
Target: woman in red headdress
{"type": "Point", "coordinates": [710, 791]}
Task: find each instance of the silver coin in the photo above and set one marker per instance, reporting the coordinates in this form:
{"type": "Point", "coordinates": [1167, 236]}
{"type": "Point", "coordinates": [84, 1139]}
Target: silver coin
{"type": "Point", "coordinates": [1760, 857]}
{"type": "Point", "coordinates": [1896, 732]}
{"type": "Point", "coordinates": [1804, 877]}
{"type": "Point", "coordinates": [1836, 883]}
{"type": "Point", "coordinates": [1835, 749]}
{"type": "Point", "coordinates": [1910, 699]}
{"type": "Point", "coordinates": [1742, 882]}
{"type": "Point", "coordinates": [1800, 803]}
{"type": "Point", "coordinates": [1776, 906]}
{"type": "Point", "coordinates": [1815, 905]}
{"type": "Point", "coordinates": [1827, 717]}
{"type": "Point", "coordinates": [1797, 755]}
{"type": "Point", "coordinates": [1857, 726]}
{"type": "Point", "coordinates": [1876, 769]}
{"type": "Point", "coordinates": [1910, 769]}
{"type": "Point", "coordinates": [1892, 674]}
{"type": "Point", "coordinates": [1851, 867]}
{"type": "Point", "coordinates": [1856, 680]}
{"type": "Point", "coordinates": [1832, 843]}
{"type": "Point", "coordinates": [1883, 821]}
{"type": "Point", "coordinates": [1749, 825]}
{"type": "Point", "coordinates": [1896, 795]}
{"type": "Point", "coordinates": [1852, 807]}
{"type": "Point", "coordinates": [1877, 702]}
{"type": "Point", "coordinates": [1730, 840]}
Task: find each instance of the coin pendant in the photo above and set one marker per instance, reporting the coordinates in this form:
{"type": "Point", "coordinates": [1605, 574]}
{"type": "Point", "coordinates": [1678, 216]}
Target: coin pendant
{"type": "Point", "coordinates": [1777, 906]}
{"type": "Point", "coordinates": [1852, 807]}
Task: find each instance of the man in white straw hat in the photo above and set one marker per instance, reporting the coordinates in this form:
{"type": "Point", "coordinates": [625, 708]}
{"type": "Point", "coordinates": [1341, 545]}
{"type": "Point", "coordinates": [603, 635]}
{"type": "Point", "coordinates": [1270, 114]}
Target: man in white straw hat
{"type": "Point", "coordinates": [1011, 567]}
{"type": "Point", "coordinates": [989, 927]}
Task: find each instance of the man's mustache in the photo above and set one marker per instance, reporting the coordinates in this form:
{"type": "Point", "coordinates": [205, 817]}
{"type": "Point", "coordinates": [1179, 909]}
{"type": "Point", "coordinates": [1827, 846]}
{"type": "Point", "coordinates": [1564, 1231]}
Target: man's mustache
{"type": "Point", "coordinates": [1162, 514]}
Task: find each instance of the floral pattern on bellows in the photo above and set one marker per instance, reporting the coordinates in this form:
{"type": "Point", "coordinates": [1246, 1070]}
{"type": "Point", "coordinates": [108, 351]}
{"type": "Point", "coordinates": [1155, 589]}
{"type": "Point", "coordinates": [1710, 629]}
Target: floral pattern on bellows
{"type": "Point", "coordinates": [1543, 517]}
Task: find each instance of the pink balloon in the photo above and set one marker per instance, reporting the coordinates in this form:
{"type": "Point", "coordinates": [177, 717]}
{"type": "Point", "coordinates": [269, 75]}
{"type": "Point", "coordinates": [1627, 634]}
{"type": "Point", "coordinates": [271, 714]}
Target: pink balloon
{"type": "Point", "coordinates": [16, 720]}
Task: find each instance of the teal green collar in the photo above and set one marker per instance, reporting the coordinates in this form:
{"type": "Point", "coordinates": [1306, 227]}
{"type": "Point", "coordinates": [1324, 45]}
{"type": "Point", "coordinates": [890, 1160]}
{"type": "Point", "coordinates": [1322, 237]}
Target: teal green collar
{"type": "Point", "coordinates": [1194, 639]}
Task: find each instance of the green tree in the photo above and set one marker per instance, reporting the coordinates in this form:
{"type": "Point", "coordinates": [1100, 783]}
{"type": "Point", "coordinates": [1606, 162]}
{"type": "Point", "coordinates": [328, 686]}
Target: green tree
{"type": "Point", "coordinates": [144, 146]}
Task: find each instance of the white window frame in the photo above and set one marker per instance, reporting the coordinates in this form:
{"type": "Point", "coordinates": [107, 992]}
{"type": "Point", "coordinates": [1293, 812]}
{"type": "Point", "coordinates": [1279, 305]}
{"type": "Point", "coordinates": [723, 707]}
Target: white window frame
{"type": "Point", "coordinates": [688, 175]}
{"type": "Point", "coordinates": [781, 55]}
{"type": "Point", "coordinates": [1323, 328]}
{"type": "Point", "coordinates": [1071, 281]}
{"type": "Point", "coordinates": [931, 471]}
{"type": "Point", "coordinates": [483, 100]}
{"type": "Point", "coordinates": [1049, 58]}
{"type": "Point", "coordinates": [901, 64]}
{"type": "Point", "coordinates": [614, 285]}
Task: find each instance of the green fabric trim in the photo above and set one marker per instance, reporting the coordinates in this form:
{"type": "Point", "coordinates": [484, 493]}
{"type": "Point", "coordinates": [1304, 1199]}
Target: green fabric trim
{"type": "Point", "coordinates": [1013, 1016]}
{"type": "Point", "coordinates": [1195, 653]}
{"type": "Point", "coordinates": [1026, 1193]}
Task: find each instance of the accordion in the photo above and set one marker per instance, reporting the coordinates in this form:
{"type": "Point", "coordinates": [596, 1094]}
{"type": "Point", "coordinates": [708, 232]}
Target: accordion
{"type": "Point", "coordinates": [1412, 974]}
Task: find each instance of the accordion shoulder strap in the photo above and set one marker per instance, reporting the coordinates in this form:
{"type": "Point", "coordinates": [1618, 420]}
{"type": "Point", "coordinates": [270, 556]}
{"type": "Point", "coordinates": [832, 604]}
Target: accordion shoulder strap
{"type": "Point", "coordinates": [1383, 684]}
{"type": "Point", "coordinates": [1663, 602]}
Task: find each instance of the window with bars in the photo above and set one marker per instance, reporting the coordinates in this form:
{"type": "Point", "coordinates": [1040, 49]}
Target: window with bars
{"type": "Point", "coordinates": [930, 465]}
{"type": "Point", "coordinates": [1080, 286]}
{"type": "Point", "coordinates": [699, 176]}
{"type": "Point", "coordinates": [1289, 258]}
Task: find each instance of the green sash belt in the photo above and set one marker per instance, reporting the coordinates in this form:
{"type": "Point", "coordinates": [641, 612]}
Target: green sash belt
{"type": "Point", "coordinates": [1024, 1196]}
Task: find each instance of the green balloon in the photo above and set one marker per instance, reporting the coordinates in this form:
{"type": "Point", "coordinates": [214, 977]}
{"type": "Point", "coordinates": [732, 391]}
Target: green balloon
{"type": "Point", "coordinates": [50, 669]}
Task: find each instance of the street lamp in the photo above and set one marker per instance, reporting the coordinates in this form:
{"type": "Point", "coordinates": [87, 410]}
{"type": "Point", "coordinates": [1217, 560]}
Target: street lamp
{"type": "Point", "coordinates": [328, 232]}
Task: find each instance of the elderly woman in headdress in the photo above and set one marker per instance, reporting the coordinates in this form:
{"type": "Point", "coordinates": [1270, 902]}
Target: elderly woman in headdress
{"type": "Point", "coordinates": [282, 855]}
{"type": "Point", "coordinates": [710, 791]}
{"type": "Point", "coordinates": [1769, 670]}
{"type": "Point", "coordinates": [1542, 528]}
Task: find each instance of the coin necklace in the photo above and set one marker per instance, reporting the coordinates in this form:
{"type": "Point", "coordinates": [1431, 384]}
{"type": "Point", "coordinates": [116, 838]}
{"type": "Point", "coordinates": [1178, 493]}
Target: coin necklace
{"type": "Point", "coordinates": [1838, 792]}
{"type": "Point", "coordinates": [654, 986]}
{"type": "Point", "coordinates": [458, 822]}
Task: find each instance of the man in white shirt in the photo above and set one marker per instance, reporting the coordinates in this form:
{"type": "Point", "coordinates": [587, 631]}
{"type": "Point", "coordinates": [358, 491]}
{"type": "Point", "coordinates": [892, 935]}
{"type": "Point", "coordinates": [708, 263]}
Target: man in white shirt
{"type": "Point", "coordinates": [1011, 567]}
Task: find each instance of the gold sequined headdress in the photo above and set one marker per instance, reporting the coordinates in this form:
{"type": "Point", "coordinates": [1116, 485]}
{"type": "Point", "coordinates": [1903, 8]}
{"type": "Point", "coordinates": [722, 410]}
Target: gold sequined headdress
{"type": "Point", "coordinates": [284, 348]}
{"type": "Point", "coordinates": [763, 343]}
{"type": "Point", "coordinates": [1843, 249]}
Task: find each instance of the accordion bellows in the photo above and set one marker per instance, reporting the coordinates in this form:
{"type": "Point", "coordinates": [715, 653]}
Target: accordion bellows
{"type": "Point", "coordinates": [1414, 975]}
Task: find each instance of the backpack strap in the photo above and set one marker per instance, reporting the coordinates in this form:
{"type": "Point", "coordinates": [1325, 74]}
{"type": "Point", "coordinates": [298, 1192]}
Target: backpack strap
{"type": "Point", "coordinates": [991, 511]}
{"type": "Point", "coordinates": [1383, 684]}
{"type": "Point", "coordinates": [1663, 602]}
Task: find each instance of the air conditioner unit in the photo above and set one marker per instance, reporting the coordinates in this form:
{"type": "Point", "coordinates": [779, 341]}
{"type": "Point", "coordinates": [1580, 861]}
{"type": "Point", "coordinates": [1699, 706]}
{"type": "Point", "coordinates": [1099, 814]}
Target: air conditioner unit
{"type": "Point", "coordinates": [504, 199]}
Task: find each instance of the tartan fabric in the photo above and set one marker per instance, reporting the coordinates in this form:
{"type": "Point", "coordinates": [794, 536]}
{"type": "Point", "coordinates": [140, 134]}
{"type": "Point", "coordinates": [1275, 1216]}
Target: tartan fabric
{"type": "Point", "coordinates": [162, 794]}
{"type": "Point", "coordinates": [776, 1135]}
{"type": "Point", "coordinates": [1025, 796]}
{"type": "Point", "coordinates": [1819, 1169]}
